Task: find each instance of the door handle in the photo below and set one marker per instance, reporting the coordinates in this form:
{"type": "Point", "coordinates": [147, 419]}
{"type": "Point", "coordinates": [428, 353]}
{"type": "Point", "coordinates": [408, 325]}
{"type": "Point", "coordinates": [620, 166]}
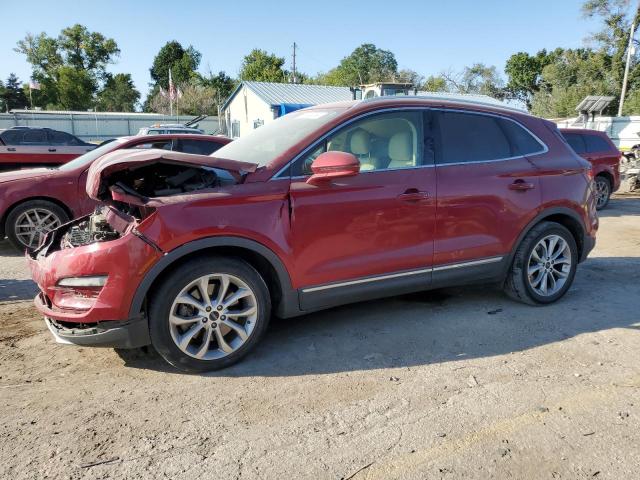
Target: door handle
{"type": "Point", "coordinates": [11, 149]}
{"type": "Point", "coordinates": [521, 185]}
{"type": "Point", "coordinates": [52, 149]}
{"type": "Point", "coordinates": [413, 196]}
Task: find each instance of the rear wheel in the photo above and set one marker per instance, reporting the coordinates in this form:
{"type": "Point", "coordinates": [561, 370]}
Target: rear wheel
{"type": "Point", "coordinates": [603, 191]}
{"type": "Point", "coordinates": [209, 313]}
{"type": "Point", "coordinates": [28, 222]}
{"type": "Point", "coordinates": [544, 265]}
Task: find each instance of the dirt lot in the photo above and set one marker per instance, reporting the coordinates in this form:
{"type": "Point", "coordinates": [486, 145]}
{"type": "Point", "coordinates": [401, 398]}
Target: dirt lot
{"type": "Point", "coordinates": [458, 383]}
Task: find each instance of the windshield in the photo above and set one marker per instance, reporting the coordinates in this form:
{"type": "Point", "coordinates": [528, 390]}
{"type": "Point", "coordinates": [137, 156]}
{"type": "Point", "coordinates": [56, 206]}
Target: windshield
{"type": "Point", "coordinates": [87, 158]}
{"type": "Point", "coordinates": [264, 144]}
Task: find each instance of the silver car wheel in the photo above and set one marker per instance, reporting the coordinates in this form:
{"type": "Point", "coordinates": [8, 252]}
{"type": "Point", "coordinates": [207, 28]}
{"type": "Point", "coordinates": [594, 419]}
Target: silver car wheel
{"type": "Point", "coordinates": [213, 316]}
{"type": "Point", "coordinates": [602, 192]}
{"type": "Point", "coordinates": [549, 265]}
{"type": "Point", "coordinates": [33, 224]}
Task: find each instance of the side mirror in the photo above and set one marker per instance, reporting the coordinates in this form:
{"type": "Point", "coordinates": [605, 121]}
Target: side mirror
{"type": "Point", "coordinates": [331, 165]}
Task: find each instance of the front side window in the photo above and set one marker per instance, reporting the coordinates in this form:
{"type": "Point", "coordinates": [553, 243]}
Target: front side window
{"type": "Point", "coordinates": [380, 142]}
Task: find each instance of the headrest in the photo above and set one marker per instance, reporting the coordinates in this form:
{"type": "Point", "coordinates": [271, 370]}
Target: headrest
{"type": "Point", "coordinates": [401, 147]}
{"type": "Point", "coordinates": [360, 142]}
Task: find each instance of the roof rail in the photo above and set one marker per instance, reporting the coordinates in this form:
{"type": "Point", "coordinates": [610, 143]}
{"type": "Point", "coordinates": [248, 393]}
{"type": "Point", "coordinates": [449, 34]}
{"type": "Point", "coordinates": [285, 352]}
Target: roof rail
{"type": "Point", "coordinates": [469, 99]}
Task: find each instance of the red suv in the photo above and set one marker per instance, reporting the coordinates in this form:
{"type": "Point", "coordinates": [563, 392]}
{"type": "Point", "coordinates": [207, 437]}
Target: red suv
{"type": "Point", "coordinates": [329, 205]}
{"type": "Point", "coordinates": [604, 156]}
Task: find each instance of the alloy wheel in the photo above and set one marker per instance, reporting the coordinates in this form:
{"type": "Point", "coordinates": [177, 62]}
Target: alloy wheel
{"type": "Point", "coordinates": [549, 265]}
{"type": "Point", "coordinates": [33, 224]}
{"type": "Point", "coordinates": [602, 192]}
{"type": "Point", "coordinates": [213, 316]}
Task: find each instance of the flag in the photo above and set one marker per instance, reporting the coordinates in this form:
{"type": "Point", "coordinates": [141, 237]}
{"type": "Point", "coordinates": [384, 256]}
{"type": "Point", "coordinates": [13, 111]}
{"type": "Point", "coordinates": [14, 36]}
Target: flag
{"type": "Point", "coordinates": [163, 92]}
{"type": "Point", "coordinates": [33, 85]}
{"type": "Point", "coordinates": [179, 93]}
{"type": "Point", "coordinates": [172, 88]}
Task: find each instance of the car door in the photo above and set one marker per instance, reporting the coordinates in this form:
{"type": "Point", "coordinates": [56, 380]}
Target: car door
{"type": "Point", "coordinates": [370, 234]}
{"type": "Point", "coordinates": [32, 148]}
{"type": "Point", "coordinates": [487, 191]}
{"type": "Point", "coordinates": [64, 147]}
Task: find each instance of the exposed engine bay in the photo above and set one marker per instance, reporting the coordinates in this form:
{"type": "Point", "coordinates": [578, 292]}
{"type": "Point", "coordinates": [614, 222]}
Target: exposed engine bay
{"type": "Point", "coordinates": [93, 228]}
{"type": "Point", "coordinates": [165, 179]}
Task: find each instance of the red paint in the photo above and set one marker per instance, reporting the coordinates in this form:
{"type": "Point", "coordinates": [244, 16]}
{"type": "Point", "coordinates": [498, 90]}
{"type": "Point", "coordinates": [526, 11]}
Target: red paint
{"type": "Point", "coordinates": [372, 223]}
{"type": "Point", "coordinates": [67, 187]}
{"type": "Point", "coordinates": [605, 162]}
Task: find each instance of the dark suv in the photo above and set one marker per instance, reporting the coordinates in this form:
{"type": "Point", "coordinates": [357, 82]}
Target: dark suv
{"type": "Point", "coordinates": [329, 205]}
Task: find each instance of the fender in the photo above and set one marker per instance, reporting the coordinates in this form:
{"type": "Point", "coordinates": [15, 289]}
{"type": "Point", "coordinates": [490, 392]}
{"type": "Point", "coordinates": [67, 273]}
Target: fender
{"type": "Point", "coordinates": [288, 306]}
{"type": "Point", "coordinates": [540, 217]}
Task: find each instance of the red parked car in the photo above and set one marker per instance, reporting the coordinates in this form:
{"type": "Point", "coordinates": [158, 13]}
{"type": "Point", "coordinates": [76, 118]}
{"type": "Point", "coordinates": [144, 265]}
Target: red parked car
{"type": "Point", "coordinates": [324, 206]}
{"type": "Point", "coordinates": [599, 150]}
{"type": "Point", "coordinates": [34, 201]}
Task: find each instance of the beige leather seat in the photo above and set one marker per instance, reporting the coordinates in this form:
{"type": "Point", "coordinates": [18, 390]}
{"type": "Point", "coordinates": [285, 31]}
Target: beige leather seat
{"type": "Point", "coordinates": [360, 146]}
{"type": "Point", "coordinates": [401, 150]}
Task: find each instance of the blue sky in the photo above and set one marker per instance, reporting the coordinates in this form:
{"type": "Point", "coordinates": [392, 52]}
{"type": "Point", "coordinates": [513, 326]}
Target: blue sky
{"type": "Point", "coordinates": [427, 36]}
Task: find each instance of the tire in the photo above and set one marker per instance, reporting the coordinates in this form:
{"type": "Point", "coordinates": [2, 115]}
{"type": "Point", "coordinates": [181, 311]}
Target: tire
{"type": "Point", "coordinates": [18, 218]}
{"type": "Point", "coordinates": [520, 286]}
{"type": "Point", "coordinates": [603, 191]}
{"type": "Point", "coordinates": [173, 302]}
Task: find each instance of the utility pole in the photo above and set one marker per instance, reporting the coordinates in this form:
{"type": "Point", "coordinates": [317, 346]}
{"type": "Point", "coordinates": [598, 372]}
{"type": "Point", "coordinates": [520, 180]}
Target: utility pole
{"type": "Point", "coordinates": [631, 49]}
{"type": "Point", "coordinates": [294, 79]}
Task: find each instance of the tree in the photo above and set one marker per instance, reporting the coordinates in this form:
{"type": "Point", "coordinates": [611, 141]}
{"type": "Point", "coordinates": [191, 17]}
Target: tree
{"type": "Point", "coordinates": [406, 75]}
{"type": "Point", "coordinates": [435, 84]}
{"type": "Point", "coordinates": [182, 62]}
{"type": "Point", "coordinates": [524, 74]}
{"type": "Point", "coordinates": [195, 99]}
{"type": "Point", "coordinates": [477, 79]}
{"type": "Point", "coordinates": [12, 95]}
{"type": "Point", "coordinates": [261, 66]}
{"type": "Point", "coordinates": [222, 85]}
{"type": "Point", "coordinates": [118, 94]}
{"type": "Point", "coordinates": [366, 64]}
{"type": "Point", "coordinates": [70, 67]}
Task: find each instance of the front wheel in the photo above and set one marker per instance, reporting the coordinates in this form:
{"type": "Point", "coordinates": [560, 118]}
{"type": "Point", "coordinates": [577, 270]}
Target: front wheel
{"type": "Point", "coordinates": [27, 223]}
{"type": "Point", "coordinates": [544, 265]}
{"type": "Point", "coordinates": [209, 313]}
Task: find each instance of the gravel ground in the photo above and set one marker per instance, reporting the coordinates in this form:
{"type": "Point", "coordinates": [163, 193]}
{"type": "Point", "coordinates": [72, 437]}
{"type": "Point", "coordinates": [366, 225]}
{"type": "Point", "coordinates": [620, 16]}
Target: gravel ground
{"type": "Point", "coordinates": [456, 383]}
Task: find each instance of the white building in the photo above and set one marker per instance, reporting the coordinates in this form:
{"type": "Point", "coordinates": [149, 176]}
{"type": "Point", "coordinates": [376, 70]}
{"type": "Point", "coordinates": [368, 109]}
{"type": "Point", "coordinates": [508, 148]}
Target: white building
{"type": "Point", "coordinates": [255, 103]}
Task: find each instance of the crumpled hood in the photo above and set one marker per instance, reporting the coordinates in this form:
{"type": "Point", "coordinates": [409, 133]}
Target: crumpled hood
{"type": "Point", "coordinates": [26, 174]}
{"type": "Point", "coordinates": [100, 170]}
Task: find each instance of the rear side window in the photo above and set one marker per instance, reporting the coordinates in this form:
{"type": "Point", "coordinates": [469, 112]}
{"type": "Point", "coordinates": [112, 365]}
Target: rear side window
{"type": "Point", "coordinates": [595, 143]}
{"type": "Point", "coordinates": [62, 138]}
{"type": "Point", "coordinates": [522, 141]}
{"type": "Point", "coordinates": [196, 146]}
{"type": "Point", "coordinates": [470, 137]}
{"type": "Point", "coordinates": [576, 142]}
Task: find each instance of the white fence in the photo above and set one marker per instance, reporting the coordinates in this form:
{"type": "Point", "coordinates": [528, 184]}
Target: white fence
{"type": "Point", "coordinates": [97, 126]}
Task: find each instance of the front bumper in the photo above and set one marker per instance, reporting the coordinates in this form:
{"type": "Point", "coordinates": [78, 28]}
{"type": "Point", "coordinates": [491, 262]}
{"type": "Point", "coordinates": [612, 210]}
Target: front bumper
{"type": "Point", "coordinates": [113, 334]}
{"type": "Point", "coordinates": [100, 315]}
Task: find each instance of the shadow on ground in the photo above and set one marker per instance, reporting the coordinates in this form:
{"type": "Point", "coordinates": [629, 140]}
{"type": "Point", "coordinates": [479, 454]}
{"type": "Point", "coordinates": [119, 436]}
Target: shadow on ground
{"type": "Point", "coordinates": [621, 205]}
{"type": "Point", "coordinates": [435, 327]}
{"type": "Point", "coordinates": [13, 290]}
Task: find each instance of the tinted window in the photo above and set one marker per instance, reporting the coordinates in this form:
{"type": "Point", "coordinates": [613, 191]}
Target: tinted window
{"type": "Point", "coordinates": [468, 137]}
{"type": "Point", "coordinates": [576, 142]}
{"type": "Point", "coordinates": [385, 141]}
{"type": "Point", "coordinates": [595, 143]}
{"type": "Point", "coordinates": [161, 144]}
{"type": "Point", "coordinates": [34, 137]}
{"type": "Point", "coordinates": [12, 137]}
{"type": "Point", "coordinates": [62, 138]}
{"type": "Point", "coordinates": [197, 147]}
{"type": "Point", "coordinates": [522, 142]}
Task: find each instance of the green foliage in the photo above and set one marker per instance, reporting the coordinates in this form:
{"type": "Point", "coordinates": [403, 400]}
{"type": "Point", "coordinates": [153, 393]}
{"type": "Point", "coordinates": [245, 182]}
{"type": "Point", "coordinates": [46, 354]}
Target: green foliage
{"type": "Point", "coordinates": [477, 79]}
{"type": "Point", "coordinates": [118, 94]}
{"type": "Point", "coordinates": [435, 84]}
{"type": "Point", "coordinates": [69, 67]}
{"type": "Point", "coordinates": [366, 64]}
{"type": "Point", "coordinates": [12, 95]}
{"type": "Point", "coordinates": [182, 62]}
{"type": "Point", "coordinates": [222, 85]}
{"type": "Point", "coordinates": [261, 66]}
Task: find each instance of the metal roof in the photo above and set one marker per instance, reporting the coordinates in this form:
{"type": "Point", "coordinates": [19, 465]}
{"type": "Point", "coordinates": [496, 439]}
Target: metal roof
{"type": "Point", "coordinates": [279, 93]}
